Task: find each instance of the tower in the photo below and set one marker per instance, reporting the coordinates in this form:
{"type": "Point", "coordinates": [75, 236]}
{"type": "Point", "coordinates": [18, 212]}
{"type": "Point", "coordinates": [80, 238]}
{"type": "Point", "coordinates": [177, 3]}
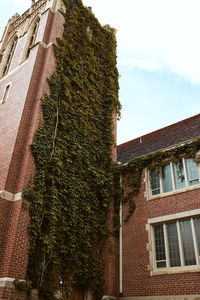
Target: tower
{"type": "Point", "coordinates": [27, 60]}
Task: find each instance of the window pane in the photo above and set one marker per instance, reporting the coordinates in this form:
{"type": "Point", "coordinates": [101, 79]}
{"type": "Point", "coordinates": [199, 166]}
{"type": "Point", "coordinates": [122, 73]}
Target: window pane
{"type": "Point", "coordinates": [188, 246]}
{"type": "Point", "coordinates": [167, 179]}
{"type": "Point", "coordinates": [160, 246]}
{"type": "Point", "coordinates": [192, 171]}
{"type": "Point", "coordinates": [197, 229]}
{"type": "Point", "coordinates": [174, 252]}
{"type": "Point", "coordinates": [179, 175]}
{"type": "Point", "coordinates": [155, 182]}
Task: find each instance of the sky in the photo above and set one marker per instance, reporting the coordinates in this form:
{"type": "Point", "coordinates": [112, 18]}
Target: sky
{"type": "Point", "coordinates": [158, 49]}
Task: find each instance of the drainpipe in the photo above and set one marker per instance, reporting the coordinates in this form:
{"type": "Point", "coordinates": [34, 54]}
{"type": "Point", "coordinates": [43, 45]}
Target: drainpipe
{"type": "Point", "coordinates": [120, 243]}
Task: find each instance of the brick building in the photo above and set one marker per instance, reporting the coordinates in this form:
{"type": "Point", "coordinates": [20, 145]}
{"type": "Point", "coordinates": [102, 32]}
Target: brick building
{"type": "Point", "coordinates": [157, 253]}
{"type": "Point", "coordinates": [160, 243]}
{"type": "Point", "coordinates": [27, 59]}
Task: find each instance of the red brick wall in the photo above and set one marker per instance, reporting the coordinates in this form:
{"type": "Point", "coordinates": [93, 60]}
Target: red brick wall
{"type": "Point", "coordinates": [20, 115]}
{"type": "Point", "coordinates": [136, 277]}
{"type": "Point", "coordinates": [19, 119]}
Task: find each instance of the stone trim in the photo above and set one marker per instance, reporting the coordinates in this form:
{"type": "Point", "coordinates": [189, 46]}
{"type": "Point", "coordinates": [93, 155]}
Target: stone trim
{"type": "Point", "coordinates": [190, 213]}
{"type": "Point", "coordinates": [169, 297]}
{"type": "Point", "coordinates": [10, 197]}
{"type": "Point", "coordinates": [6, 282]}
{"type": "Point", "coordinates": [106, 297]}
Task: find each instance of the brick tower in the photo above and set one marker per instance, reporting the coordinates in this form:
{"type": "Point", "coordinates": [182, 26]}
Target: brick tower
{"type": "Point", "coordinates": [26, 61]}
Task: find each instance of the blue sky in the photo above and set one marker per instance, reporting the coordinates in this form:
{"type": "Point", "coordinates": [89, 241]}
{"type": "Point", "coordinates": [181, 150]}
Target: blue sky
{"type": "Point", "coordinates": [158, 58]}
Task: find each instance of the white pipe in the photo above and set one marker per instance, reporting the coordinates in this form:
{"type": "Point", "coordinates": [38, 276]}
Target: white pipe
{"type": "Point", "coordinates": [120, 244]}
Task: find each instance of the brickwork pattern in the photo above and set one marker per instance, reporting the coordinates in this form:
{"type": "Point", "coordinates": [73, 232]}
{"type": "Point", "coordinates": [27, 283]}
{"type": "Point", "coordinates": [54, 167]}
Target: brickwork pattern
{"type": "Point", "coordinates": [137, 280]}
{"type": "Point", "coordinates": [20, 116]}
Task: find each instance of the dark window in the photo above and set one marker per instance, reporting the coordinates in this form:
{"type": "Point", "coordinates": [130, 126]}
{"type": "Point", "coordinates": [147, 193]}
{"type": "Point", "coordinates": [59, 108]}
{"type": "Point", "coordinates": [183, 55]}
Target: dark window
{"type": "Point", "coordinates": [10, 56]}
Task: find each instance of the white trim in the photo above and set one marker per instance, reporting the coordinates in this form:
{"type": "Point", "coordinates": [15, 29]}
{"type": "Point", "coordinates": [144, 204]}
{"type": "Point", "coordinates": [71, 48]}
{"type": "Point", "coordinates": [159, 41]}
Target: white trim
{"type": "Point", "coordinates": [8, 85]}
{"type": "Point", "coordinates": [13, 71]}
{"type": "Point", "coordinates": [151, 239]}
{"type": "Point", "coordinates": [180, 243]}
{"type": "Point", "coordinates": [172, 176]}
{"type": "Point", "coordinates": [106, 297]}
{"type": "Point", "coordinates": [175, 190]}
{"type": "Point", "coordinates": [180, 215]}
{"type": "Point", "coordinates": [195, 241]}
{"type": "Point", "coordinates": [5, 281]}
{"type": "Point", "coordinates": [10, 197]}
{"type": "Point", "coordinates": [166, 246]}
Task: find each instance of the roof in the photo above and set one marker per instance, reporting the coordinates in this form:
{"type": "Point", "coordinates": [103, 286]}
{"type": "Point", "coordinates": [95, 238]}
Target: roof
{"type": "Point", "coordinates": [160, 139]}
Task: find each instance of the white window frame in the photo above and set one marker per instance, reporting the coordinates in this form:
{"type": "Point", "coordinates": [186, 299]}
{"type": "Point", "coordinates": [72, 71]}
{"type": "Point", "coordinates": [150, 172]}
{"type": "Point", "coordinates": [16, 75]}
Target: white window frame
{"type": "Point", "coordinates": [174, 190]}
{"type": "Point", "coordinates": [189, 215]}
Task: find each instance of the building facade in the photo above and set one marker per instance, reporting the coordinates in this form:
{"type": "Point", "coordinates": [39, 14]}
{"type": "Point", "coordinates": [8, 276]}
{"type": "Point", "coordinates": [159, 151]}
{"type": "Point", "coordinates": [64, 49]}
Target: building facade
{"type": "Point", "coordinates": [160, 241]}
{"type": "Point", "coordinates": [27, 59]}
{"type": "Point", "coordinates": [157, 254]}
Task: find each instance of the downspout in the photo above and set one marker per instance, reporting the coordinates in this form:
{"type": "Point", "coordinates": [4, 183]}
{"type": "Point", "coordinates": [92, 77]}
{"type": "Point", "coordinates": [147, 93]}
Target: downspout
{"type": "Point", "coordinates": [120, 244]}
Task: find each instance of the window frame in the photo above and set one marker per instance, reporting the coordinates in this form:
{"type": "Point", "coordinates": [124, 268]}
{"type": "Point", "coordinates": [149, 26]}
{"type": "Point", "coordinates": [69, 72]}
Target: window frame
{"type": "Point", "coordinates": [174, 189]}
{"type": "Point", "coordinates": [31, 38]}
{"type": "Point", "coordinates": [151, 246]}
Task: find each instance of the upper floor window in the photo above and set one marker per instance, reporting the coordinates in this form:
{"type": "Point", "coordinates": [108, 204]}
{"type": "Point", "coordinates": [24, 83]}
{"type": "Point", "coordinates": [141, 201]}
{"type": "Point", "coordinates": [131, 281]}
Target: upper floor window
{"type": "Point", "coordinates": [174, 176]}
{"type": "Point", "coordinates": [10, 56]}
{"type": "Point", "coordinates": [32, 37]}
{"type": "Point", "coordinates": [32, 33]}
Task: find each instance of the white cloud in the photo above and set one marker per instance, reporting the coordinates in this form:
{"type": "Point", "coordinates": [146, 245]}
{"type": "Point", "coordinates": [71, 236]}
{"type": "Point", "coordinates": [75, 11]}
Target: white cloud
{"type": "Point", "coordinates": [151, 34]}
{"type": "Point", "coordinates": [163, 32]}
{"type": "Point", "coordinates": [130, 63]}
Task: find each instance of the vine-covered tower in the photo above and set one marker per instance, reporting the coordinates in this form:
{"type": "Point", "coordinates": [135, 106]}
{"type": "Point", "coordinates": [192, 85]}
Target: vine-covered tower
{"type": "Point", "coordinates": [27, 59]}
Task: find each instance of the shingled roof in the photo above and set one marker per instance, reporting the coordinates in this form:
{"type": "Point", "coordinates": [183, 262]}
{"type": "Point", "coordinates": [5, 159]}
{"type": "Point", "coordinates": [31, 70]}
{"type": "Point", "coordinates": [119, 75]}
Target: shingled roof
{"type": "Point", "coordinates": [160, 139]}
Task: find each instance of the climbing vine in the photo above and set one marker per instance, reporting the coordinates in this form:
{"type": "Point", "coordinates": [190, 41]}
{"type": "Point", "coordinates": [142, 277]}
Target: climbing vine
{"type": "Point", "coordinates": [73, 185]}
{"type": "Point", "coordinates": [132, 171]}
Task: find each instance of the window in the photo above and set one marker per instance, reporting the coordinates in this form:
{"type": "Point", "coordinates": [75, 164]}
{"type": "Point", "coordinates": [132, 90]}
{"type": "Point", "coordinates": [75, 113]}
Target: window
{"type": "Point", "coordinates": [177, 243]}
{"type": "Point", "coordinates": [31, 38]}
{"type": "Point", "coordinates": [10, 56]}
{"type": "Point", "coordinates": [5, 94]}
{"type": "Point", "coordinates": [174, 176]}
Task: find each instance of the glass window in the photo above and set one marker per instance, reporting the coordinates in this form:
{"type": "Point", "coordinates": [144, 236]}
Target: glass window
{"type": "Point", "coordinates": [175, 176]}
{"type": "Point", "coordinates": [155, 182]}
{"type": "Point", "coordinates": [187, 240]}
{"type": "Point", "coordinates": [174, 252]}
{"type": "Point", "coordinates": [179, 175]}
{"type": "Point", "coordinates": [160, 247]}
{"type": "Point", "coordinates": [178, 242]}
{"type": "Point", "coordinates": [33, 37]}
{"type": "Point", "coordinates": [10, 56]}
{"type": "Point", "coordinates": [192, 171]}
{"type": "Point", "coordinates": [197, 229]}
{"type": "Point", "coordinates": [167, 178]}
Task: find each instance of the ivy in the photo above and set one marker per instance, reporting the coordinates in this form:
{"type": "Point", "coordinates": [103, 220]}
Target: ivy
{"type": "Point", "coordinates": [72, 148]}
{"type": "Point", "coordinates": [131, 172]}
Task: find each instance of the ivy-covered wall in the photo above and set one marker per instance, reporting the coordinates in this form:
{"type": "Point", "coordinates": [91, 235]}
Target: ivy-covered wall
{"type": "Point", "coordinates": [131, 172]}
{"type": "Point", "coordinates": [72, 148]}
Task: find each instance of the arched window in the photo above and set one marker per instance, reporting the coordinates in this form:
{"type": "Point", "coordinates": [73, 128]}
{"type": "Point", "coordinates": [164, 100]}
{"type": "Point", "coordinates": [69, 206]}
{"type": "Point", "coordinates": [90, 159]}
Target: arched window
{"type": "Point", "coordinates": [9, 55]}
{"type": "Point", "coordinates": [31, 37]}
